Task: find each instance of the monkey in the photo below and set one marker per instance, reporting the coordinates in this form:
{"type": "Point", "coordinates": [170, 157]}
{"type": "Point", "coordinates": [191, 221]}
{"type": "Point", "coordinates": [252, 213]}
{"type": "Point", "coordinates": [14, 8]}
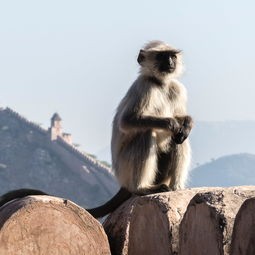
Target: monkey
{"type": "Point", "coordinates": [151, 123]}
{"type": "Point", "coordinates": [150, 147]}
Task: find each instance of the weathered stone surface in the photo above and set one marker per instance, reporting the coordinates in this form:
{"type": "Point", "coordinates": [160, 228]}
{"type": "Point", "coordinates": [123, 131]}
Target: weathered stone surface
{"type": "Point", "coordinates": [208, 222]}
{"type": "Point", "coordinates": [47, 225]}
{"type": "Point", "coordinates": [193, 221]}
{"type": "Point", "coordinates": [243, 238]}
{"type": "Point", "coordinates": [148, 224]}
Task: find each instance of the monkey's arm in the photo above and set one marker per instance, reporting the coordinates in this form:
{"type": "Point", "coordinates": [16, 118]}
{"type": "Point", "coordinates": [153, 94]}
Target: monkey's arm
{"type": "Point", "coordinates": [142, 123]}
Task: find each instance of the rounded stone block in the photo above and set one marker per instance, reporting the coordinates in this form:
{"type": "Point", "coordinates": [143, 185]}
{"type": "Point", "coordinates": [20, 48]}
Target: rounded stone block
{"type": "Point", "coordinates": [243, 238]}
{"type": "Point", "coordinates": [49, 225]}
{"type": "Point", "coordinates": [148, 225]}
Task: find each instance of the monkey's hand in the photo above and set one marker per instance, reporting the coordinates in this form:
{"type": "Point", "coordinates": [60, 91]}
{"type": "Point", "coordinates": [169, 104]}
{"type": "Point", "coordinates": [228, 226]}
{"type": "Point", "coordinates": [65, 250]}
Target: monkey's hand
{"type": "Point", "coordinates": [186, 124]}
{"type": "Point", "coordinates": [173, 125]}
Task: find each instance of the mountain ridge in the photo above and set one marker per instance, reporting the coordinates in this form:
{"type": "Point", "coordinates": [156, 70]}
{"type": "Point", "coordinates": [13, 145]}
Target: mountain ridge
{"type": "Point", "coordinates": [32, 157]}
{"type": "Point", "coordinates": [230, 170]}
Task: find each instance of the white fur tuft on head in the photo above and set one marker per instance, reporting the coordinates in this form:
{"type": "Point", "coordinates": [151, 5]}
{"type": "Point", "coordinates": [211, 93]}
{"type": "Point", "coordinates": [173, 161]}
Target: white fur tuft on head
{"type": "Point", "coordinates": [156, 46]}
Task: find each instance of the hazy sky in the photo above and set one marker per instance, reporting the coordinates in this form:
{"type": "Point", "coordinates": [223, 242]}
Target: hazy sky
{"type": "Point", "coordinates": [79, 58]}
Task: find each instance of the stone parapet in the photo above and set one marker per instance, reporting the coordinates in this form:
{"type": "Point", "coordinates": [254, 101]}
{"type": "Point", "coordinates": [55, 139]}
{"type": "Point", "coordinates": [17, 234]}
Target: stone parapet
{"type": "Point", "coordinates": [200, 221]}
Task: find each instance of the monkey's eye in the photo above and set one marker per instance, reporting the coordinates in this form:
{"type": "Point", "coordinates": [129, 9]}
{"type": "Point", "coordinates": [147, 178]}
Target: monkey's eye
{"type": "Point", "coordinates": [173, 56]}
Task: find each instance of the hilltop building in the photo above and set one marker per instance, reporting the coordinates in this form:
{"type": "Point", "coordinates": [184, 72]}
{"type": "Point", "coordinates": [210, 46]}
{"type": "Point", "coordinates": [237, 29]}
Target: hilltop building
{"type": "Point", "coordinates": [55, 129]}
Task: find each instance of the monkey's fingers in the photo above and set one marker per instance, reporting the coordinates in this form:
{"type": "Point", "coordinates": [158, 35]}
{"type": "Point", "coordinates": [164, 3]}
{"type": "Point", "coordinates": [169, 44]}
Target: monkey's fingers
{"type": "Point", "coordinates": [180, 137]}
{"type": "Point", "coordinates": [188, 122]}
{"type": "Point", "coordinates": [185, 121]}
{"type": "Point", "coordinates": [173, 125]}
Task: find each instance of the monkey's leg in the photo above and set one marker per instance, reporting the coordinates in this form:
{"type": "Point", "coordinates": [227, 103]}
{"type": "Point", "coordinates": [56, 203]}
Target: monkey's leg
{"type": "Point", "coordinates": [166, 165]}
{"type": "Point", "coordinates": [162, 180]}
{"type": "Point", "coordinates": [136, 163]}
{"type": "Point", "coordinates": [145, 178]}
{"type": "Point", "coordinates": [179, 172]}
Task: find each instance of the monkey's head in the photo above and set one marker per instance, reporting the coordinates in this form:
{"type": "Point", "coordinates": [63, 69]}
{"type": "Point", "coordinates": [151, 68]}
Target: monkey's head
{"type": "Point", "coordinates": [160, 60]}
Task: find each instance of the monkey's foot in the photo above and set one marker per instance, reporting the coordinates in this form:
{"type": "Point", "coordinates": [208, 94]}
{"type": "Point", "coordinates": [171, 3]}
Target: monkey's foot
{"type": "Point", "coordinates": [156, 189]}
{"type": "Point", "coordinates": [162, 188]}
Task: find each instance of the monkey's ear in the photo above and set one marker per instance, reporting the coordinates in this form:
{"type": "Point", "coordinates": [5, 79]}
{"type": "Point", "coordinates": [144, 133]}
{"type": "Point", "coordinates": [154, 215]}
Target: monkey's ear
{"type": "Point", "coordinates": [141, 56]}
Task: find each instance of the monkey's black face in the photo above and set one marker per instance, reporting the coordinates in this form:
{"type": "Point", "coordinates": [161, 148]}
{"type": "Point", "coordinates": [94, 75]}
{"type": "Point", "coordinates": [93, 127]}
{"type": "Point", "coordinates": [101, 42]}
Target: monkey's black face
{"type": "Point", "coordinates": [166, 61]}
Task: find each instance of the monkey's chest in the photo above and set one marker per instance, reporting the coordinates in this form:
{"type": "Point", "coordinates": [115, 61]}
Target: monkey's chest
{"type": "Point", "coordinates": [160, 104]}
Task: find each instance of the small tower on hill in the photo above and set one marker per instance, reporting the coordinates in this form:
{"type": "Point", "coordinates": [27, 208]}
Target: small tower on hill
{"type": "Point", "coordinates": [56, 131]}
{"type": "Point", "coordinates": [55, 127]}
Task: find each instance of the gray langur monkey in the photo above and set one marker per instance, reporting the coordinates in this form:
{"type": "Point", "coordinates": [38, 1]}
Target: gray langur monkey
{"type": "Point", "coordinates": [150, 149]}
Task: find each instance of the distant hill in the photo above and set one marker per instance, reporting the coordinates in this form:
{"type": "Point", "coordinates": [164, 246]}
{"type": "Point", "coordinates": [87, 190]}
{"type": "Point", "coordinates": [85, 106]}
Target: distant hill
{"type": "Point", "coordinates": [32, 157]}
{"type": "Point", "coordinates": [216, 139]}
{"type": "Point", "coordinates": [229, 170]}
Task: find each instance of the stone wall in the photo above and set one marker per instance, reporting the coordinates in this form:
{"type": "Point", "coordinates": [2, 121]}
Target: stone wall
{"type": "Point", "coordinates": [200, 221]}
{"type": "Point", "coordinates": [204, 221]}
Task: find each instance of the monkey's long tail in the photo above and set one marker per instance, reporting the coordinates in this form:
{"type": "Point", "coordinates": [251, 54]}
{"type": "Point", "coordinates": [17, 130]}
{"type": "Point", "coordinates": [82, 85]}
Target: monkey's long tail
{"type": "Point", "coordinates": [98, 212]}
{"type": "Point", "coordinates": [19, 193]}
{"type": "Point", "coordinates": [122, 195]}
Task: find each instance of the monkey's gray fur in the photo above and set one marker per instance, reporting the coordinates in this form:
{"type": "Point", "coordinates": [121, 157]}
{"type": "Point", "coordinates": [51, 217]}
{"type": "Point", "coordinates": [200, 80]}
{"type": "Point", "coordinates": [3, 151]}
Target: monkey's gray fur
{"type": "Point", "coordinates": [148, 118]}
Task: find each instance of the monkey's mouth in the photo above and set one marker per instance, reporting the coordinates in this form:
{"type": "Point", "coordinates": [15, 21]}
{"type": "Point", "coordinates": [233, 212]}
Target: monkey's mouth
{"type": "Point", "coordinates": [166, 69]}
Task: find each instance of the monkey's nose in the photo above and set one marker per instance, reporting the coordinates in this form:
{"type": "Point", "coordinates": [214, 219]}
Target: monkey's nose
{"type": "Point", "coordinates": [171, 62]}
